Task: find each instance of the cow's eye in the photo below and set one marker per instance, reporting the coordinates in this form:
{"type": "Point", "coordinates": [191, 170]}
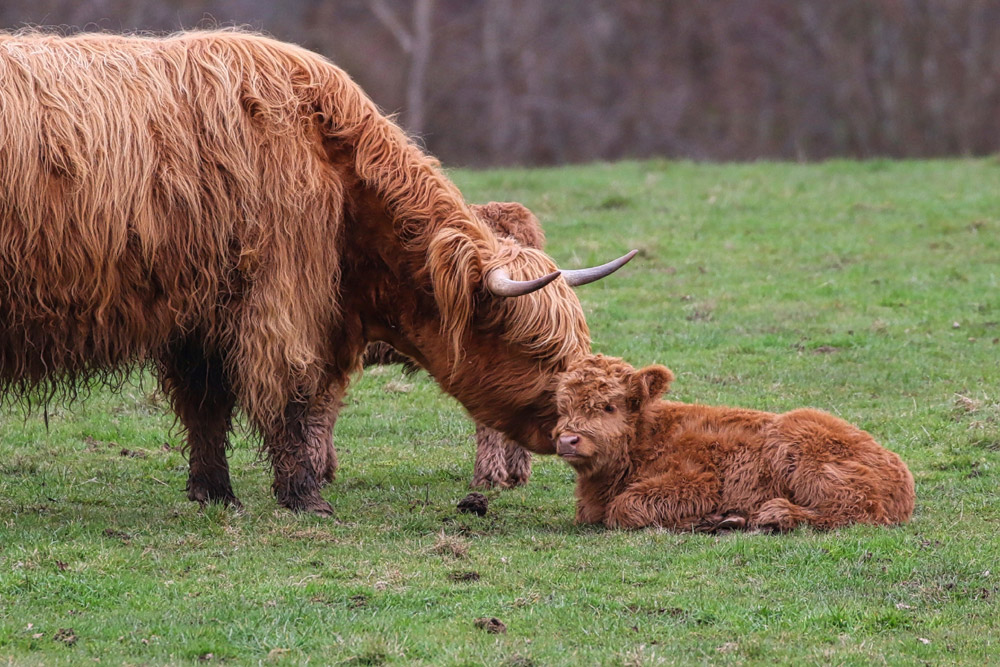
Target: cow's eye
{"type": "Point", "coordinates": [609, 408]}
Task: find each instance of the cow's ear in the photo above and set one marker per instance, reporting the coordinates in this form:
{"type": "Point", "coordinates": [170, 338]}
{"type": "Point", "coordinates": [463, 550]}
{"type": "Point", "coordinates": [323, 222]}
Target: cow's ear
{"type": "Point", "coordinates": [647, 384]}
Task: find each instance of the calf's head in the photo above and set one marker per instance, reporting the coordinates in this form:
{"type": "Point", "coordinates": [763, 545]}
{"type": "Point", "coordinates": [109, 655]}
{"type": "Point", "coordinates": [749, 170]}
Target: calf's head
{"type": "Point", "coordinates": [600, 400]}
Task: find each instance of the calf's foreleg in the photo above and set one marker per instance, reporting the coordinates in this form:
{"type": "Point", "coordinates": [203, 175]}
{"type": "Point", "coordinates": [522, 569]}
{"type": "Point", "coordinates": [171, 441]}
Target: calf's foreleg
{"type": "Point", "coordinates": [679, 500]}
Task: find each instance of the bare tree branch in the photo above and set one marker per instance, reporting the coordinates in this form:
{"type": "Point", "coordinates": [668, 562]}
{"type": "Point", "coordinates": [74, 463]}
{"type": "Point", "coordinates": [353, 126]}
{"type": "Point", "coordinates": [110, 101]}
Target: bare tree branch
{"type": "Point", "coordinates": [420, 56]}
{"type": "Point", "coordinates": [392, 23]}
{"type": "Point", "coordinates": [415, 42]}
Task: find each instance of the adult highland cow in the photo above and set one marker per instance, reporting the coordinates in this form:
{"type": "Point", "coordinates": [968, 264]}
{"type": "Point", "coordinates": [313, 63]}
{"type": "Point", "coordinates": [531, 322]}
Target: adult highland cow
{"type": "Point", "coordinates": [237, 210]}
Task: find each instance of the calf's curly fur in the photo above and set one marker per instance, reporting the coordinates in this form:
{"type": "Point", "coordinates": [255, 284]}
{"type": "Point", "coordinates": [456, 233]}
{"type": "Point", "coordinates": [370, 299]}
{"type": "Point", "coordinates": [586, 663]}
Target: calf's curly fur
{"type": "Point", "coordinates": [642, 461]}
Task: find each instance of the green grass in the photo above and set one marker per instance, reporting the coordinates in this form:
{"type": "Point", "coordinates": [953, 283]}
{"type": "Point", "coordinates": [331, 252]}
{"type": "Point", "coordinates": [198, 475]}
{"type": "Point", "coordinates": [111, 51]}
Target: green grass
{"type": "Point", "coordinates": [866, 289]}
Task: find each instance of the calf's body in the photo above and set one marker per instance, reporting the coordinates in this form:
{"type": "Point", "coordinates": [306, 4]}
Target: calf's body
{"type": "Point", "coordinates": [642, 461]}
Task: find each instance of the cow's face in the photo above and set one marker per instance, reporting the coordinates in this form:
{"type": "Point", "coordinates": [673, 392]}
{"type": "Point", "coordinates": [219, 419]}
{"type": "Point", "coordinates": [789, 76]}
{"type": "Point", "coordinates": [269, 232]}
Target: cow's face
{"type": "Point", "coordinates": [514, 351]}
{"type": "Point", "coordinates": [518, 346]}
{"type": "Point", "coordinates": [491, 317]}
{"type": "Point", "coordinates": [599, 400]}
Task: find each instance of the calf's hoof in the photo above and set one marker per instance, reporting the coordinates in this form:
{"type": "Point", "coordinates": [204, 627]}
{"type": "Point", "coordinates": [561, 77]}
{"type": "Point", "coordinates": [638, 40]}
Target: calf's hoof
{"type": "Point", "coordinates": [732, 523]}
{"type": "Point", "coordinates": [777, 515]}
{"type": "Point", "coordinates": [717, 523]}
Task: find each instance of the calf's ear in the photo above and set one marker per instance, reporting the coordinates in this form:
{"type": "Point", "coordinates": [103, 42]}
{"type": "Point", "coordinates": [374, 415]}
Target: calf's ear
{"type": "Point", "coordinates": [647, 384]}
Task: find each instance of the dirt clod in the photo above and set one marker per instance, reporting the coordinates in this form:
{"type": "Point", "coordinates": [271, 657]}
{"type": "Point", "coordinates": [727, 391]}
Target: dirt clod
{"type": "Point", "coordinates": [474, 503]}
{"type": "Point", "coordinates": [494, 626]}
{"type": "Point", "coordinates": [66, 636]}
{"type": "Point", "coordinates": [118, 534]}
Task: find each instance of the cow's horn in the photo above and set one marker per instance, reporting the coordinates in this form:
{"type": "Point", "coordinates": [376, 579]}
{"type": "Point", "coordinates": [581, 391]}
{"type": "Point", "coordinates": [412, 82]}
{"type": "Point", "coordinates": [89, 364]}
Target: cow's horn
{"type": "Point", "coordinates": [576, 277]}
{"type": "Point", "coordinates": [499, 282]}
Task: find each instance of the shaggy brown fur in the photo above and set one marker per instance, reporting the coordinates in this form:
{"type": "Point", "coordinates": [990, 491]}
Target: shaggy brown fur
{"type": "Point", "coordinates": [238, 210]}
{"type": "Point", "coordinates": [499, 461]}
{"type": "Point", "coordinates": [647, 462]}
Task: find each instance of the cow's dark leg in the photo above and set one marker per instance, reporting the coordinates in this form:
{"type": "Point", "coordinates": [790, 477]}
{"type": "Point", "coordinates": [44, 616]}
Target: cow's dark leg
{"type": "Point", "coordinates": [203, 400]}
{"type": "Point", "coordinates": [300, 449]}
{"type": "Point", "coordinates": [324, 455]}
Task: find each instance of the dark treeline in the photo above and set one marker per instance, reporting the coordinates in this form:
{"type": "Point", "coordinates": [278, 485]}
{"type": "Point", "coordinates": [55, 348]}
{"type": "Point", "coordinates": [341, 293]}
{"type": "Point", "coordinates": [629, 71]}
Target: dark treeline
{"type": "Point", "coordinates": [488, 82]}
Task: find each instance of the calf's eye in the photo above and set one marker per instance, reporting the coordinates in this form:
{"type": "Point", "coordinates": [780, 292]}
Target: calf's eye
{"type": "Point", "coordinates": [609, 408]}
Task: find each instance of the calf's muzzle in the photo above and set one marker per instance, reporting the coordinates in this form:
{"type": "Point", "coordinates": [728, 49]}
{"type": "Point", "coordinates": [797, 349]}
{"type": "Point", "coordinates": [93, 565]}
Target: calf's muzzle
{"type": "Point", "coordinates": [567, 444]}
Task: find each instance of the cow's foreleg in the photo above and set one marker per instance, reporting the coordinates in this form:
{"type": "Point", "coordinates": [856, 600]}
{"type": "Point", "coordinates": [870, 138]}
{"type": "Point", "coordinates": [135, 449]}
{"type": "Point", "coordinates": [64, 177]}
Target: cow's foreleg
{"type": "Point", "coordinates": [319, 436]}
{"type": "Point", "coordinates": [500, 462]}
{"type": "Point", "coordinates": [518, 463]}
{"type": "Point", "coordinates": [202, 398]}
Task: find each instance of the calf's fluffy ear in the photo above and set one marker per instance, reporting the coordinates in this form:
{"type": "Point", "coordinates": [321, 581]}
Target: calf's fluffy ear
{"type": "Point", "coordinates": [648, 383]}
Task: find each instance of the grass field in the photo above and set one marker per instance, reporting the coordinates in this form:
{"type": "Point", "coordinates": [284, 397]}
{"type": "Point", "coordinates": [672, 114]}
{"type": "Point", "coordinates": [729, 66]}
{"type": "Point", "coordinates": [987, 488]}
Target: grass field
{"type": "Point", "coordinates": [871, 290]}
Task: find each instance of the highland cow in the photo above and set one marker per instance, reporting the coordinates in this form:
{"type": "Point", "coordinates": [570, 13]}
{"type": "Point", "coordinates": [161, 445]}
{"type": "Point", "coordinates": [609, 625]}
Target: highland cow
{"type": "Point", "coordinates": [642, 461]}
{"type": "Point", "coordinates": [237, 211]}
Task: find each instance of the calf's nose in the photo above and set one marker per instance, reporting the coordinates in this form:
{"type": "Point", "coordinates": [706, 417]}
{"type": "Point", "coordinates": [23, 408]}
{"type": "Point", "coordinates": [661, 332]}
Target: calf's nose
{"type": "Point", "coordinates": [567, 443]}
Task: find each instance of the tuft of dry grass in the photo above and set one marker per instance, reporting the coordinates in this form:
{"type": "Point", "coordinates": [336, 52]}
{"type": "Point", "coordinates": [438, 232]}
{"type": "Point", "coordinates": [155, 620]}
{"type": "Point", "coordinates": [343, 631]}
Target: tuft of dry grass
{"type": "Point", "coordinates": [450, 546]}
{"type": "Point", "coordinates": [398, 387]}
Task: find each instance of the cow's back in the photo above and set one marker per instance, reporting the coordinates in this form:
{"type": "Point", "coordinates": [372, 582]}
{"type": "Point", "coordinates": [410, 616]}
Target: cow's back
{"type": "Point", "coordinates": [146, 184]}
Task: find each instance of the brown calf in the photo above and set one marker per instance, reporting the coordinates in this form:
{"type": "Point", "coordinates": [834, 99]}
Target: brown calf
{"type": "Point", "coordinates": [642, 461]}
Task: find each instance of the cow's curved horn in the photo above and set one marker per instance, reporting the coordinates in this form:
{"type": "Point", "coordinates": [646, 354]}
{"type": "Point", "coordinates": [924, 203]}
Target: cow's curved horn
{"type": "Point", "coordinates": [499, 282]}
{"type": "Point", "coordinates": [576, 277]}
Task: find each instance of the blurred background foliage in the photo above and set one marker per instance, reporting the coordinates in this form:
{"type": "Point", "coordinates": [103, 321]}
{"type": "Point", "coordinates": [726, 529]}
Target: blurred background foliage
{"type": "Point", "coordinates": [504, 82]}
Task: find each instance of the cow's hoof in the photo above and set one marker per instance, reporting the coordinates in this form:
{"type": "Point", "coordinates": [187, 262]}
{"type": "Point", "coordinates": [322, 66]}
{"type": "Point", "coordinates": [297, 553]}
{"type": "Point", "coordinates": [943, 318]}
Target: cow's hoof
{"type": "Point", "coordinates": [487, 482]}
{"type": "Point", "coordinates": [302, 504]}
{"type": "Point", "coordinates": [212, 494]}
{"type": "Point", "coordinates": [516, 479]}
{"type": "Point", "coordinates": [321, 508]}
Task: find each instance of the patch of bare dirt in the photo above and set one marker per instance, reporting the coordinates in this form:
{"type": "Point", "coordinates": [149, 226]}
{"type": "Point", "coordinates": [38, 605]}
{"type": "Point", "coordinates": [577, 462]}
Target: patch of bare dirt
{"type": "Point", "coordinates": [494, 626]}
